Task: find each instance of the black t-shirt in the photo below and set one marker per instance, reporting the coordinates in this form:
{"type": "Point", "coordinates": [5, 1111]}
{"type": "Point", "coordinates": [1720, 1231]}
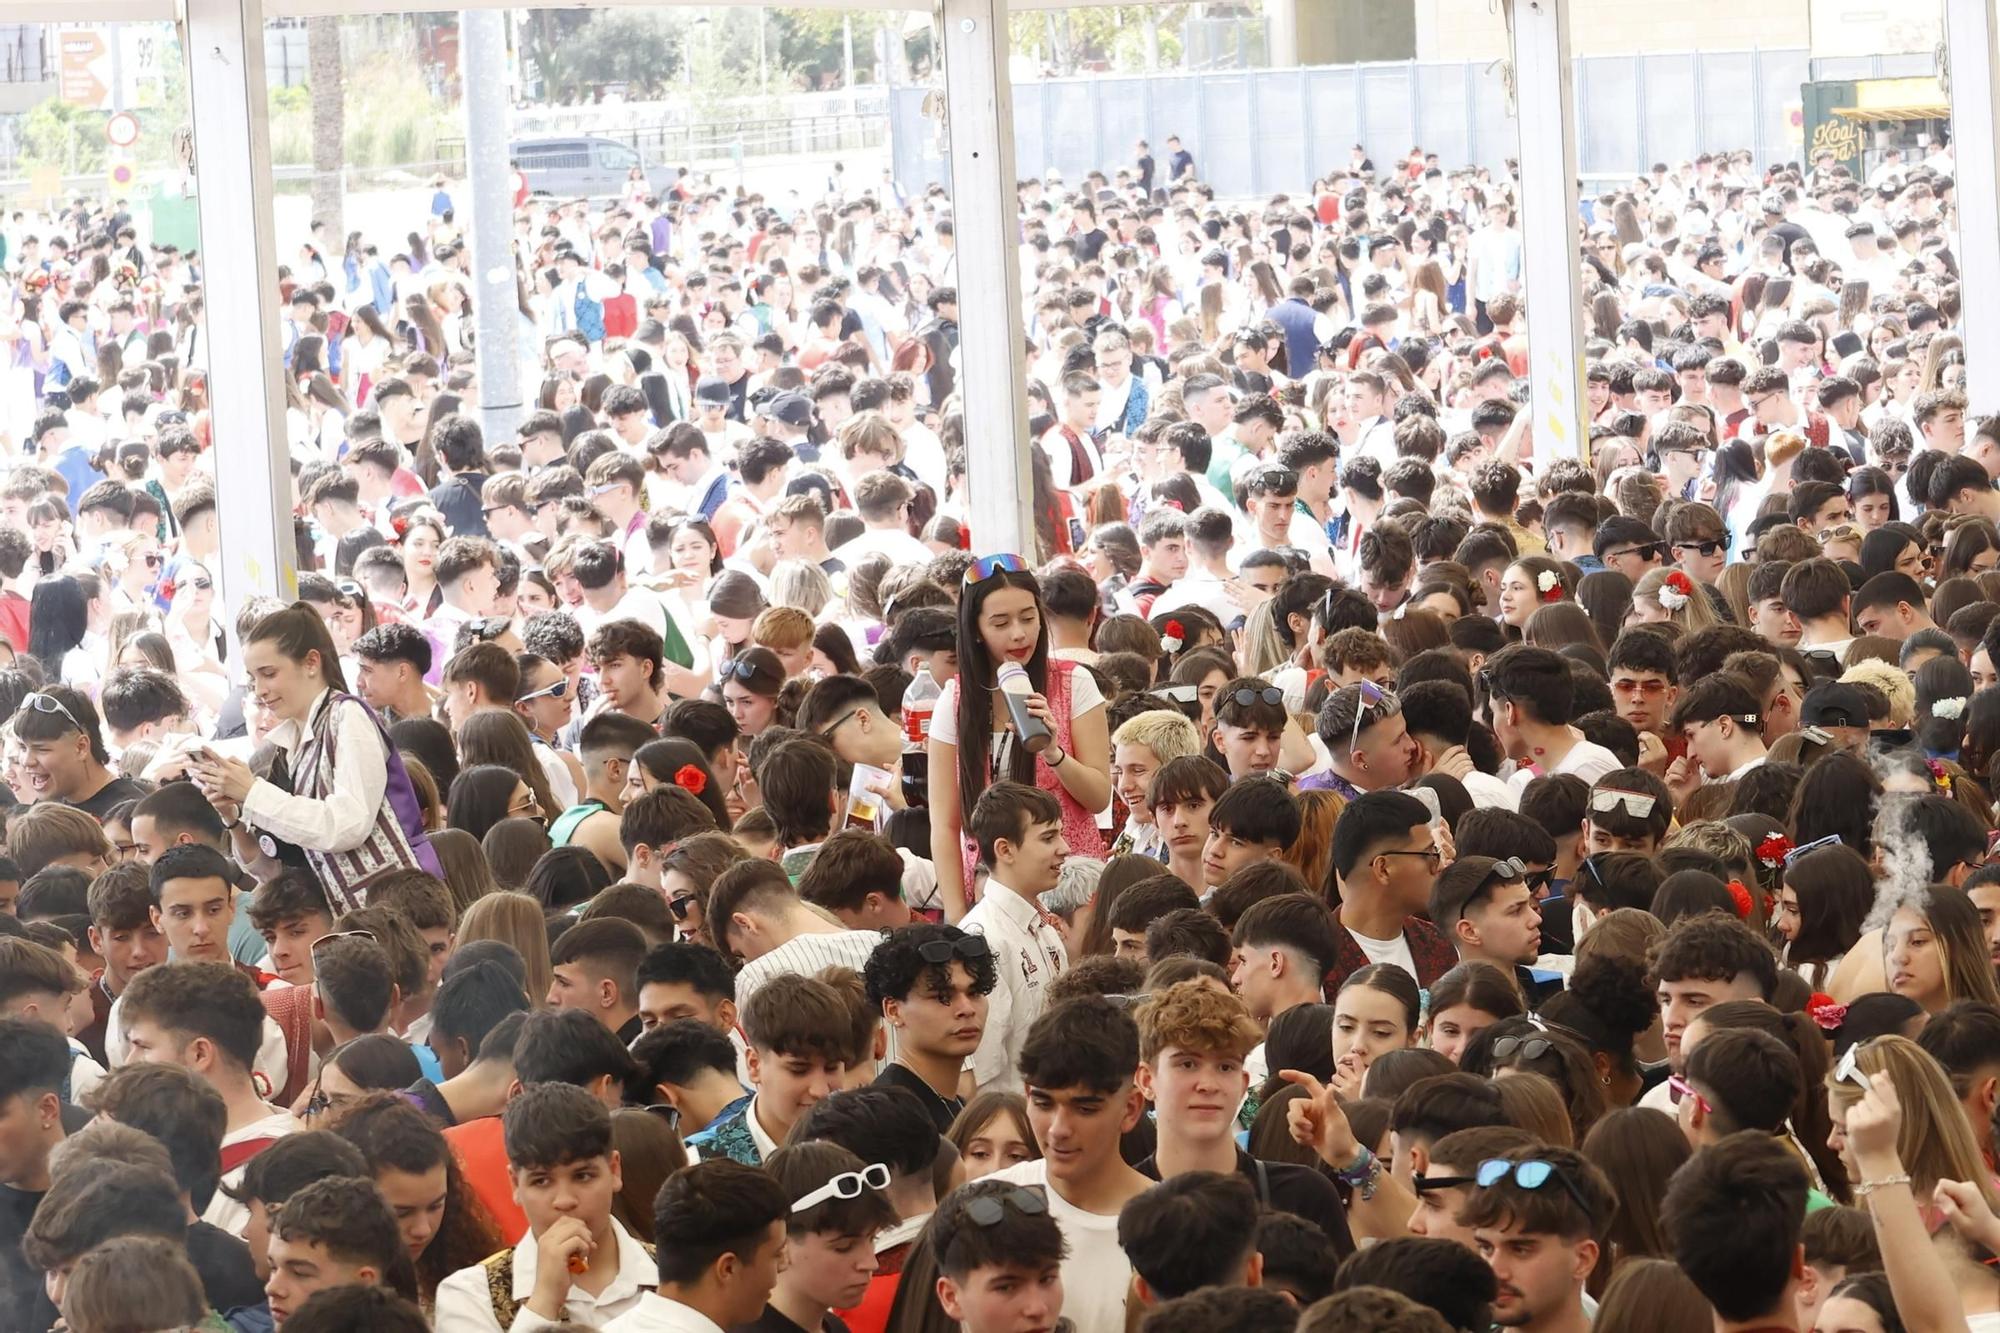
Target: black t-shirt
{"type": "Point", "coordinates": [24, 1305]}
{"type": "Point", "coordinates": [431, 1102]}
{"type": "Point", "coordinates": [228, 1277]}
{"type": "Point", "coordinates": [1286, 1188]}
{"type": "Point", "coordinates": [112, 793]}
{"type": "Point", "coordinates": [1146, 173]}
{"type": "Point", "coordinates": [943, 1110]}
{"type": "Point", "coordinates": [771, 1321]}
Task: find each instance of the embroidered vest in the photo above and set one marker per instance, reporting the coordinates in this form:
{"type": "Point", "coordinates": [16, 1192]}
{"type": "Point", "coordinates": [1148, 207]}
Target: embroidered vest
{"type": "Point", "coordinates": [500, 1284]}
{"type": "Point", "coordinates": [397, 841]}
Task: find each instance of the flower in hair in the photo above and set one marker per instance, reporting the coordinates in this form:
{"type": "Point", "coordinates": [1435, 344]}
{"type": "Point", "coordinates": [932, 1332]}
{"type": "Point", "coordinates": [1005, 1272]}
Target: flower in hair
{"type": "Point", "coordinates": [1826, 1011]}
{"type": "Point", "coordinates": [690, 779]}
{"type": "Point", "coordinates": [400, 524]}
{"type": "Point", "coordinates": [1741, 899]}
{"type": "Point", "coordinates": [1939, 775]}
{"type": "Point", "coordinates": [165, 589]}
{"type": "Point", "coordinates": [1771, 851]}
{"type": "Point", "coordinates": [1551, 585]}
{"type": "Point", "coordinates": [1674, 593]}
{"type": "Point", "coordinates": [1175, 638]}
{"type": "Point", "coordinates": [1949, 709]}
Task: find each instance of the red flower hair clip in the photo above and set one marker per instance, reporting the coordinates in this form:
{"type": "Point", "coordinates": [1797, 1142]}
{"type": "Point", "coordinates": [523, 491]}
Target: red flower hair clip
{"type": "Point", "coordinates": [400, 525]}
{"type": "Point", "coordinates": [1939, 776]}
{"type": "Point", "coordinates": [165, 589]}
{"type": "Point", "coordinates": [1175, 638]}
{"type": "Point", "coordinates": [690, 779]}
{"type": "Point", "coordinates": [1826, 1011]}
{"type": "Point", "coordinates": [1741, 899]}
{"type": "Point", "coordinates": [1772, 851]}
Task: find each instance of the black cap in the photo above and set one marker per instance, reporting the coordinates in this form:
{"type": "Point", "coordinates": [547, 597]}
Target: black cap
{"type": "Point", "coordinates": [1833, 704]}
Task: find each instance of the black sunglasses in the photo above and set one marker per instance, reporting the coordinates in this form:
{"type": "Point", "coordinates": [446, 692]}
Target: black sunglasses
{"type": "Point", "coordinates": [1270, 694]}
{"type": "Point", "coordinates": [987, 1209]}
{"type": "Point", "coordinates": [940, 952]}
{"type": "Point", "coordinates": [1703, 548]}
{"type": "Point", "coordinates": [1531, 1048]}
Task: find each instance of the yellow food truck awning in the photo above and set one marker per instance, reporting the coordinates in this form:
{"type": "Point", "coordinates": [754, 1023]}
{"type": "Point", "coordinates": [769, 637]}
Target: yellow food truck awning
{"type": "Point", "coordinates": [1897, 99]}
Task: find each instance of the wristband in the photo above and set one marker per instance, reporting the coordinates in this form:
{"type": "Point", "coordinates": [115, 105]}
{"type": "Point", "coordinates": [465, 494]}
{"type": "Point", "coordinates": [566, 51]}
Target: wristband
{"type": "Point", "coordinates": [1363, 1175]}
{"type": "Point", "coordinates": [1868, 1187]}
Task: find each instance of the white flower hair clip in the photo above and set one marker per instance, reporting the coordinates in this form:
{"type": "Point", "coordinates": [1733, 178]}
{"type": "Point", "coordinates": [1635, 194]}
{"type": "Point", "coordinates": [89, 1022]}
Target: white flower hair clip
{"type": "Point", "coordinates": [1949, 709]}
{"type": "Point", "coordinates": [1548, 580]}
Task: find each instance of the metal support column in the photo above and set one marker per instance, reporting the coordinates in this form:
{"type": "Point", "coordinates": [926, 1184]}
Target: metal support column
{"type": "Point", "coordinates": [992, 369]}
{"type": "Point", "coordinates": [1970, 54]}
{"type": "Point", "coordinates": [253, 479]}
{"type": "Point", "coordinates": [1550, 265]}
{"type": "Point", "coordinates": [495, 304]}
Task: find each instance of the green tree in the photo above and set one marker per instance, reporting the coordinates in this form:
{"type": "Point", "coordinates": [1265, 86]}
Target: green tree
{"type": "Point", "coordinates": [640, 50]}
{"type": "Point", "coordinates": [56, 134]}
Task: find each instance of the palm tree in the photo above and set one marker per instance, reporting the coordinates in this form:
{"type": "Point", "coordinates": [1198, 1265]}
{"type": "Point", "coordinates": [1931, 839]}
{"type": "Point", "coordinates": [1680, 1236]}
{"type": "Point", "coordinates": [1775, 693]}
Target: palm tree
{"type": "Point", "coordinates": [329, 129]}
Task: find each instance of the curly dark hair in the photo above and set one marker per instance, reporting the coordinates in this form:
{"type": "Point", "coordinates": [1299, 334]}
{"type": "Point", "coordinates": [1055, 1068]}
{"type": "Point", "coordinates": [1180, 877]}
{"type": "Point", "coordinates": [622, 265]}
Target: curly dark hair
{"type": "Point", "coordinates": [897, 968]}
{"type": "Point", "coordinates": [395, 1136]}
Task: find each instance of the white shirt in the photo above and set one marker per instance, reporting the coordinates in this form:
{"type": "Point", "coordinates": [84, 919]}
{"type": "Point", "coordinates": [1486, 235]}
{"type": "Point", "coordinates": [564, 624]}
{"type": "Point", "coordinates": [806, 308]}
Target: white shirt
{"type": "Point", "coordinates": [807, 955]}
{"type": "Point", "coordinates": [465, 1306]}
{"type": "Point", "coordinates": [344, 818]}
{"type": "Point", "coordinates": [1028, 953]}
{"type": "Point", "coordinates": [1585, 759]}
{"type": "Point", "coordinates": [1395, 951]}
{"type": "Point", "coordinates": [1096, 1273]}
{"type": "Point", "coordinates": [654, 1313]}
{"type": "Point", "coordinates": [223, 1211]}
{"type": "Point", "coordinates": [898, 545]}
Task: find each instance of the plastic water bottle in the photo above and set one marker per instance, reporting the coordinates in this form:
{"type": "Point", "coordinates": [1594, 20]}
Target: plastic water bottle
{"type": "Point", "coordinates": [919, 703]}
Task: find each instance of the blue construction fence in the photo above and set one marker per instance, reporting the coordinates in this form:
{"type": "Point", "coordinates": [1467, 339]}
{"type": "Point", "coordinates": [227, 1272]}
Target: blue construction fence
{"type": "Point", "coordinates": [1258, 132]}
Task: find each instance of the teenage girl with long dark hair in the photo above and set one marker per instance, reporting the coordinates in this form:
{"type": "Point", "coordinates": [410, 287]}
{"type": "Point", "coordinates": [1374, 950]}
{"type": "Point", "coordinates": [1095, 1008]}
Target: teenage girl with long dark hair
{"type": "Point", "coordinates": [1001, 619]}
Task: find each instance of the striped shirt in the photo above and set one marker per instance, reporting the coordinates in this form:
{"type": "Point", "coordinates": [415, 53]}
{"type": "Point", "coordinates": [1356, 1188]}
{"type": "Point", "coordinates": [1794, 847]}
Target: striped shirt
{"type": "Point", "coordinates": [808, 955]}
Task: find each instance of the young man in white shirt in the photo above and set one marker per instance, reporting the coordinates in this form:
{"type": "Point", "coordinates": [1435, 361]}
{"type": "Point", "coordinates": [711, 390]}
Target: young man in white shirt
{"type": "Point", "coordinates": [577, 1262]}
{"type": "Point", "coordinates": [206, 1017]}
{"type": "Point", "coordinates": [1019, 831]}
{"type": "Point", "coordinates": [754, 912]}
{"type": "Point", "coordinates": [1078, 1065]}
{"type": "Point", "coordinates": [1530, 695]}
{"type": "Point", "coordinates": [720, 1240]}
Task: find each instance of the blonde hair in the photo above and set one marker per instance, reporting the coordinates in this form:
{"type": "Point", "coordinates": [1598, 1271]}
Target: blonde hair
{"type": "Point", "coordinates": [1935, 1140]}
{"type": "Point", "coordinates": [869, 431]}
{"type": "Point", "coordinates": [1263, 651]}
{"type": "Point", "coordinates": [795, 583]}
{"type": "Point", "coordinates": [1897, 688]}
{"type": "Point", "coordinates": [1696, 613]}
{"type": "Point", "coordinates": [1169, 735]}
{"type": "Point", "coordinates": [782, 629]}
{"type": "Point", "coordinates": [516, 919]}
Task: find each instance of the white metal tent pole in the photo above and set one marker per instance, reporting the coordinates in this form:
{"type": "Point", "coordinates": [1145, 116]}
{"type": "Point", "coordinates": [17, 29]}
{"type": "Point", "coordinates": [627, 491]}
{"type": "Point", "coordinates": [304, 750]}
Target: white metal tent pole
{"type": "Point", "coordinates": [1551, 269]}
{"type": "Point", "coordinates": [1970, 55]}
{"type": "Point", "coordinates": [992, 365]}
{"type": "Point", "coordinates": [489, 183]}
{"type": "Point", "coordinates": [232, 134]}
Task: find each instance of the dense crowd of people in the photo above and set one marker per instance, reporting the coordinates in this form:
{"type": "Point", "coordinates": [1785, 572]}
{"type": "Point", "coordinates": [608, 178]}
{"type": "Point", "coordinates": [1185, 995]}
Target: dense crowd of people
{"type": "Point", "coordinates": [668, 872]}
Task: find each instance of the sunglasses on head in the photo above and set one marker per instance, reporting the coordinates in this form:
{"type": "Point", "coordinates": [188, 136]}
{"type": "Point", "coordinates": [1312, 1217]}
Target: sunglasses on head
{"type": "Point", "coordinates": [940, 952]}
{"type": "Point", "coordinates": [1270, 694]}
{"type": "Point", "coordinates": [368, 935]}
{"type": "Point", "coordinates": [1531, 1048]}
{"type": "Point", "coordinates": [987, 1209]}
{"type": "Point", "coordinates": [48, 703]}
{"type": "Point", "coordinates": [739, 669]}
{"type": "Point", "coordinates": [987, 566]}
{"type": "Point", "coordinates": [1636, 804]}
{"type": "Point", "coordinates": [846, 1185]}
{"type": "Point", "coordinates": [1849, 1069]}
{"type": "Point", "coordinates": [1529, 1175]}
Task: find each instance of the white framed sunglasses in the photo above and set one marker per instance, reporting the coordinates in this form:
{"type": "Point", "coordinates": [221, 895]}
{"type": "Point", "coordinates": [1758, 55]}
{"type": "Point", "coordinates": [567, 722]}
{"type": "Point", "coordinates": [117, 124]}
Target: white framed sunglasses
{"type": "Point", "coordinates": [555, 691]}
{"type": "Point", "coordinates": [846, 1185]}
{"type": "Point", "coordinates": [1637, 803]}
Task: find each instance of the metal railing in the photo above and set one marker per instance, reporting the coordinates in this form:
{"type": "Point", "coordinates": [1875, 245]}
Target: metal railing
{"type": "Point", "coordinates": [663, 144]}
